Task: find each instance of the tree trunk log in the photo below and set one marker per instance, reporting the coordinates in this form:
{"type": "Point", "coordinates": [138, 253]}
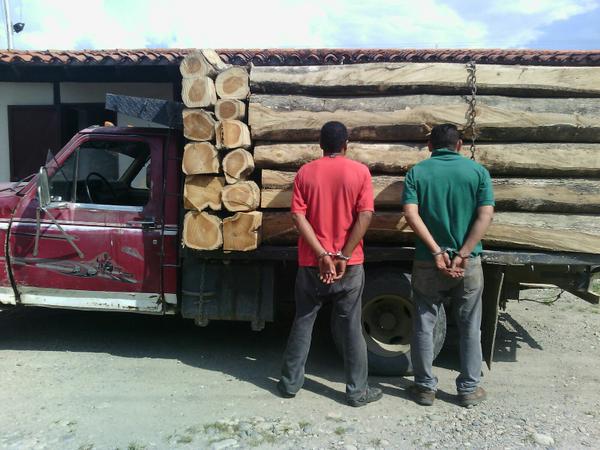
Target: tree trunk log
{"type": "Point", "coordinates": [551, 232]}
{"type": "Point", "coordinates": [241, 232]}
{"type": "Point", "coordinates": [277, 190]}
{"type": "Point", "coordinates": [232, 134]}
{"type": "Point", "coordinates": [230, 109]}
{"type": "Point", "coordinates": [409, 118]}
{"type": "Point", "coordinates": [201, 63]}
{"type": "Point", "coordinates": [198, 92]}
{"type": "Point", "coordinates": [542, 160]}
{"type": "Point", "coordinates": [241, 196]}
{"type": "Point", "coordinates": [203, 191]}
{"type": "Point", "coordinates": [198, 125]}
{"type": "Point", "coordinates": [511, 194]}
{"type": "Point", "coordinates": [202, 231]}
{"type": "Point", "coordinates": [237, 165]}
{"type": "Point", "coordinates": [233, 83]}
{"type": "Point", "coordinates": [414, 78]}
{"type": "Point", "coordinates": [200, 158]}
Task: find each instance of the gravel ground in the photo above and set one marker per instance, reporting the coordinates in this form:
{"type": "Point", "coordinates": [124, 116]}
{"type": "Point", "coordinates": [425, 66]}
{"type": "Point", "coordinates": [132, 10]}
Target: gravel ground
{"type": "Point", "coordinates": [82, 380]}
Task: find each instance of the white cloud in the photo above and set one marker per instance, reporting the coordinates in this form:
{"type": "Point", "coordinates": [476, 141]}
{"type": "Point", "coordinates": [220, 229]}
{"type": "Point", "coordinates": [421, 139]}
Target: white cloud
{"type": "Point", "coordinates": [244, 24]}
{"type": "Point", "coordinates": [65, 24]}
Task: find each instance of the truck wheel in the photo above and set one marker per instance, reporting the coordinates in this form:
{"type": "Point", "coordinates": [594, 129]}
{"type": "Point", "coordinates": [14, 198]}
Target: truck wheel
{"type": "Point", "coordinates": [387, 312]}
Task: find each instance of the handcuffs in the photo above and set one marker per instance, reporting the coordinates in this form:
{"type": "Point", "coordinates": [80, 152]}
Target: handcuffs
{"type": "Point", "coordinates": [338, 255]}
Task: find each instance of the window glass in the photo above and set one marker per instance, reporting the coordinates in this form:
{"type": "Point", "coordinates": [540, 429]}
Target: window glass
{"type": "Point", "coordinates": [106, 172]}
{"type": "Point", "coordinates": [61, 183]}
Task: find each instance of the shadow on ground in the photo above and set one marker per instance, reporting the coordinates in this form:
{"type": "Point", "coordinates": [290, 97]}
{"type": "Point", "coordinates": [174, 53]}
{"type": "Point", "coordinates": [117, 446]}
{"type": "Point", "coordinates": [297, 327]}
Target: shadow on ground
{"type": "Point", "coordinates": [227, 347]}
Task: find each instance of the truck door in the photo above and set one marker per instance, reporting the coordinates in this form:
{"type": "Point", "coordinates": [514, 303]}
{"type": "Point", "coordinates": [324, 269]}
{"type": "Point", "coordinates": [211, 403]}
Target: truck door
{"type": "Point", "coordinates": [98, 241]}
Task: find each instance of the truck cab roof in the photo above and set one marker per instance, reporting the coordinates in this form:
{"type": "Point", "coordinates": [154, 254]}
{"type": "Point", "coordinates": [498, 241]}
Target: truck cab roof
{"type": "Point", "coordinates": [97, 129]}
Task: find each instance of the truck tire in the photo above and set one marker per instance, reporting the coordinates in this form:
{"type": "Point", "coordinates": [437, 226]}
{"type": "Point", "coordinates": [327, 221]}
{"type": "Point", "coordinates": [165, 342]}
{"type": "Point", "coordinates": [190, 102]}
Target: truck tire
{"type": "Point", "coordinates": [387, 310]}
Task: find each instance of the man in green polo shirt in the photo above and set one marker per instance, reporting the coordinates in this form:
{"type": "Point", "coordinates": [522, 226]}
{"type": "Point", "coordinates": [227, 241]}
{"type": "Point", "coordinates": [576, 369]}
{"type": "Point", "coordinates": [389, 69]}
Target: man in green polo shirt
{"type": "Point", "coordinates": [449, 203]}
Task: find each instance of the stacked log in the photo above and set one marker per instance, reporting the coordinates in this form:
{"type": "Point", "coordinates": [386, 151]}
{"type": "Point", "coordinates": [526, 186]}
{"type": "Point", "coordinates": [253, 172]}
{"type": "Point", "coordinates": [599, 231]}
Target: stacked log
{"type": "Point", "coordinates": [538, 131]}
{"type": "Point", "coordinates": [217, 161]}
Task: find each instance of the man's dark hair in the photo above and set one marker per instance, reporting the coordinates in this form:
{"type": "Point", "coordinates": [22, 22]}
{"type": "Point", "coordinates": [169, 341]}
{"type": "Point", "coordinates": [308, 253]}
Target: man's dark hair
{"type": "Point", "coordinates": [333, 137]}
{"type": "Point", "coordinates": [444, 136]}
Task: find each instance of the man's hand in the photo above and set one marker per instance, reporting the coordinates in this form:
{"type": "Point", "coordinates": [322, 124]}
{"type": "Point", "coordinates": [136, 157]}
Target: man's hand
{"type": "Point", "coordinates": [327, 269]}
{"type": "Point", "coordinates": [447, 267]}
{"type": "Point", "coordinates": [458, 262]}
{"type": "Point", "coordinates": [340, 268]}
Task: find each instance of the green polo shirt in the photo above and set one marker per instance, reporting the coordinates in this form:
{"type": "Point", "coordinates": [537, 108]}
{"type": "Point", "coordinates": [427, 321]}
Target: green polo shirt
{"type": "Point", "coordinates": [448, 189]}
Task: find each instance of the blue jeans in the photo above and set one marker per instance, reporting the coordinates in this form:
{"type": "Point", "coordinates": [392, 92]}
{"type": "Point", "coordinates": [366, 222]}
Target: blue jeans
{"type": "Point", "coordinates": [430, 288]}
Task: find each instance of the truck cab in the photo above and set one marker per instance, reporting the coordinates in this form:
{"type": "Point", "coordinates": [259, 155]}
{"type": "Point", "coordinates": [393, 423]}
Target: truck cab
{"type": "Point", "coordinates": [90, 230]}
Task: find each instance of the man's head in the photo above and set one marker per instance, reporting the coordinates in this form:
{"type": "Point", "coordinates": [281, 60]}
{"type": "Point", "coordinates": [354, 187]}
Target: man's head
{"type": "Point", "coordinates": [334, 138]}
{"type": "Point", "coordinates": [445, 136]}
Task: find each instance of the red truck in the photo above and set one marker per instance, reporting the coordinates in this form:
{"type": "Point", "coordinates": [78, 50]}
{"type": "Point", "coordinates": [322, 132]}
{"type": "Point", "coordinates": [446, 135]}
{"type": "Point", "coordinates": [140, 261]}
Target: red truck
{"type": "Point", "coordinates": [98, 228]}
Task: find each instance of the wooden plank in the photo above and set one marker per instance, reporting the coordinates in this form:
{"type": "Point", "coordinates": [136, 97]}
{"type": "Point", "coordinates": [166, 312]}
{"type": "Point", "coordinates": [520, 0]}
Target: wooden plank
{"type": "Point", "coordinates": [439, 78]}
{"type": "Point", "coordinates": [551, 232]}
{"type": "Point", "coordinates": [511, 194]}
{"type": "Point", "coordinates": [277, 190]}
{"type": "Point", "coordinates": [409, 118]}
{"type": "Point", "coordinates": [518, 159]}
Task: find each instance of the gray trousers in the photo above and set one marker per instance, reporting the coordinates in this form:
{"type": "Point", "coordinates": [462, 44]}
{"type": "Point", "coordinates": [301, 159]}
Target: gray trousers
{"type": "Point", "coordinates": [345, 294]}
{"type": "Point", "coordinates": [430, 288]}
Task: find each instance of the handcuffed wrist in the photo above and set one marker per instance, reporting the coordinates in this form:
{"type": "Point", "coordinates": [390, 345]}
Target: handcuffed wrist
{"type": "Point", "coordinates": [340, 255]}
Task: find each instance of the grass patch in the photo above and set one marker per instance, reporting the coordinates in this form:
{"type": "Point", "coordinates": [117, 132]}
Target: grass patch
{"type": "Point", "coordinates": [340, 431]}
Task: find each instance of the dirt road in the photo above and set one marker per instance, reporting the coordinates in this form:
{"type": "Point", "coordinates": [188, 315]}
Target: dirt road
{"type": "Point", "coordinates": [82, 380]}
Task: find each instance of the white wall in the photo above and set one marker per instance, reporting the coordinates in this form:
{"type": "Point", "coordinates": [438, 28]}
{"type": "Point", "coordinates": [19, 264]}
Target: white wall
{"type": "Point", "coordinates": [96, 93]}
{"type": "Point", "coordinates": [18, 94]}
{"type": "Point", "coordinates": [42, 94]}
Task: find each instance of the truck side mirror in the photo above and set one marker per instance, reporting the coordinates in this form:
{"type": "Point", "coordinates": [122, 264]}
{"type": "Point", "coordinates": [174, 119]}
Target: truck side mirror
{"type": "Point", "coordinates": [43, 188]}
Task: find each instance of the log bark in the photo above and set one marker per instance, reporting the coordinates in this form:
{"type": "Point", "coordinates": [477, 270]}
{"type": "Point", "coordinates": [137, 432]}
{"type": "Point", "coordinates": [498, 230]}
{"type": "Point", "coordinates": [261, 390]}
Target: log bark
{"type": "Point", "coordinates": [200, 63]}
{"type": "Point", "coordinates": [200, 158]}
{"type": "Point", "coordinates": [520, 159]}
{"type": "Point", "coordinates": [277, 190]}
{"type": "Point", "coordinates": [198, 92]}
{"type": "Point", "coordinates": [551, 232]}
{"type": "Point", "coordinates": [198, 125]}
{"type": "Point", "coordinates": [237, 165]}
{"type": "Point", "coordinates": [203, 191]}
{"type": "Point", "coordinates": [241, 232]}
{"type": "Point", "coordinates": [439, 78]}
{"type": "Point", "coordinates": [241, 196]}
{"type": "Point", "coordinates": [202, 231]}
{"type": "Point", "coordinates": [230, 109]}
{"type": "Point", "coordinates": [565, 195]}
{"type": "Point", "coordinates": [409, 118]}
{"type": "Point", "coordinates": [233, 83]}
{"type": "Point", "coordinates": [232, 134]}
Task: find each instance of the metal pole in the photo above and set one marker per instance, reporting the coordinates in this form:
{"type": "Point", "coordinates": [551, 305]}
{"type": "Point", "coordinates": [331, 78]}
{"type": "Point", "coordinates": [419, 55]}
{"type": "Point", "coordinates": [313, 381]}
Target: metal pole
{"type": "Point", "coordinates": [9, 31]}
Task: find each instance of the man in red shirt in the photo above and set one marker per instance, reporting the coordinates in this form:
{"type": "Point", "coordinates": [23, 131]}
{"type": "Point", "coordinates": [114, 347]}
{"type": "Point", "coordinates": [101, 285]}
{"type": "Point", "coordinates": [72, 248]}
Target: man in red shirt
{"type": "Point", "coordinates": [332, 208]}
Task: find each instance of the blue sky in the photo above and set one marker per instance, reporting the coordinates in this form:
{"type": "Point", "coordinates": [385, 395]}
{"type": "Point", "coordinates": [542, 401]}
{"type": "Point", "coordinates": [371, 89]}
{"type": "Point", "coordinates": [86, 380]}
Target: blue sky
{"type": "Point", "coordinates": [95, 24]}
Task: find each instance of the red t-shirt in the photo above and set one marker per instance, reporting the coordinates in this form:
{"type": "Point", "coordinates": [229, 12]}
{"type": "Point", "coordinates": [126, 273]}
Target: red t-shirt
{"type": "Point", "coordinates": [331, 191]}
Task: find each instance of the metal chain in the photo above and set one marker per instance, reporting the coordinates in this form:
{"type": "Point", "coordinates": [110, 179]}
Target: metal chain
{"type": "Point", "coordinates": [472, 107]}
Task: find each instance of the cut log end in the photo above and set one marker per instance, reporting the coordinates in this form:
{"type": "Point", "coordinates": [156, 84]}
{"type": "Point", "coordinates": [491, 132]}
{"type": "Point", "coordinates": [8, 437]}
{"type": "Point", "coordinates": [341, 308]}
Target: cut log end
{"type": "Point", "coordinates": [200, 63]}
{"type": "Point", "coordinates": [200, 158]}
{"type": "Point", "coordinates": [232, 134]}
{"type": "Point", "coordinates": [242, 231]}
{"type": "Point", "coordinates": [237, 165]}
{"type": "Point", "coordinates": [198, 92]}
{"type": "Point", "coordinates": [230, 109]}
{"type": "Point", "coordinates": [203, 191]}
{"type": "Point", "coordinates": [242, 196]}
{"type": "Point", "coordinates": [198, 125]}
{"type": "Point", "coordinates": [202, 231]}
{"type": "Point", "coordinates": [233, 83]}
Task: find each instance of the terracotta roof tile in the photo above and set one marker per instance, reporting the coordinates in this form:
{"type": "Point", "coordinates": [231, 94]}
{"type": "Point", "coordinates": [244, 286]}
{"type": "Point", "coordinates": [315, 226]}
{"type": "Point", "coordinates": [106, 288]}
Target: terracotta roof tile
{"type": "Point", "coordinates": [141, 57]}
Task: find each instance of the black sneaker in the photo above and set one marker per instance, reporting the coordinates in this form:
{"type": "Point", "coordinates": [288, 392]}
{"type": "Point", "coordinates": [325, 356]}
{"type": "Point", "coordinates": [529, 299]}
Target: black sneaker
{"type": "Point", "coordinates": [283, 392]}
{"type": "Point", "coordinates": [421, 395]}
{"type": "Point", "coordinates": [472, 398]}
{"type": "Point", "coordinates": [371, 395]}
